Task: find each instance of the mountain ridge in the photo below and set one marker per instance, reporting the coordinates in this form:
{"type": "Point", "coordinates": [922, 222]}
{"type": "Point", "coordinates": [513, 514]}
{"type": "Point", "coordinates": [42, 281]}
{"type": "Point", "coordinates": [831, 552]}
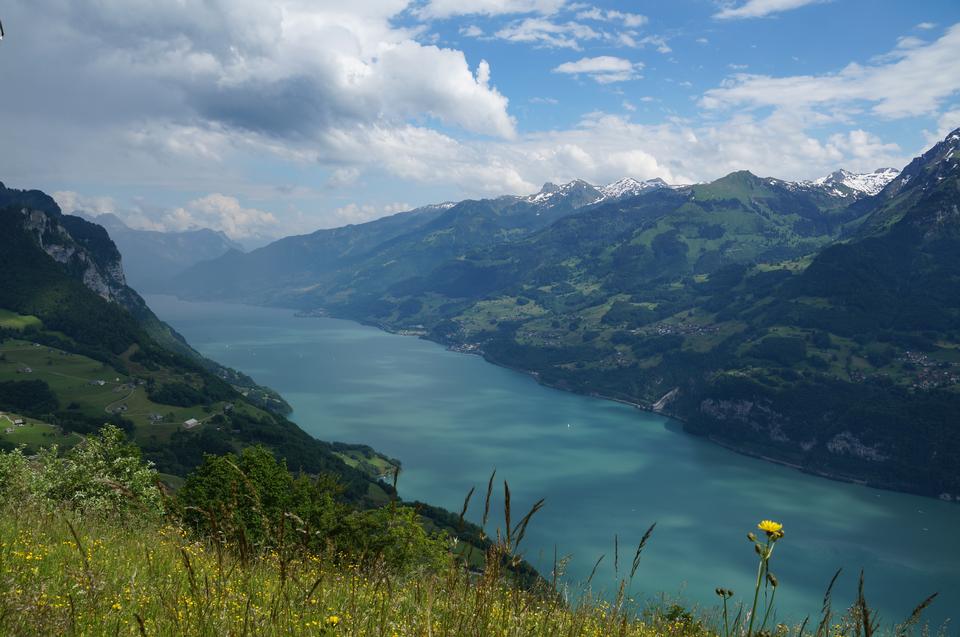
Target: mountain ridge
{"type": "Point", "coordinates": [780, 320]}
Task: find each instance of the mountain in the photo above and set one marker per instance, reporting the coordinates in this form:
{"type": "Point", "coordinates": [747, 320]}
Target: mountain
{"type": "Point", "coordinates": [150, 258]}
{"type": "Point", "coordinates": [736, 218]}
{"type": "Point", "coordinates": [844, 183]}
{"type": "Point", "coordinates": [294, 270]}
{"type": "Point", "coordinates": [630, 187]}
{"type": "Point", "coordinates": [813, 324]}
{"type": "Point", "coordinates": [79, 347]}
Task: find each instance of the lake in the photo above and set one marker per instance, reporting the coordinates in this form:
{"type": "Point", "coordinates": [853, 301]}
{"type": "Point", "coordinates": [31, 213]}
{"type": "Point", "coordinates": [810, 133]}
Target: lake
{"type": "Point", "coordinates": [604, 468]}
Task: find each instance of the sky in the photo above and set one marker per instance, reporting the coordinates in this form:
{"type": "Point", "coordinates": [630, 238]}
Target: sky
{"type": "Point", "coordinates": [265, 118]}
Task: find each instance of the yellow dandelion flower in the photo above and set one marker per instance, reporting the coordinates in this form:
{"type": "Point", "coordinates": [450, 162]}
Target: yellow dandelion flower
{"type": "Point", "coordinates": [770, 527]}
{"type": "Point", "coordinates": [333, 620]}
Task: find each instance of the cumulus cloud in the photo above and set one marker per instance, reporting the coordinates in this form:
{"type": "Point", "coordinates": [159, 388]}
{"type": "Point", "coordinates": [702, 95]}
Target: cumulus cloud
{"type": "Point", "coordinates": [914, 82]}
{"type": "Point", "coordinates": [215, 211]}
{"type": "Point", "coordinates": [603, 69]}
{"type": "Point", "coordinates": [220, 212]}
{"type": "Point", "coordinates": [284, 69]}
{"type": "Point", "coordinates": [71, 201]}
{"type": "Point", "coordinates": [760, 8]}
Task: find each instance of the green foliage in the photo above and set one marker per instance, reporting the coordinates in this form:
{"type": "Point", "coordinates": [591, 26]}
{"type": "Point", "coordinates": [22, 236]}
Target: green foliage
{"type": "Point", "coordinates": [177, 393]}
{"type": "Point", "coordinates": [32, 397]}
{"type": "Point", "coordinates": [785, 350]}
{"type": "Point", "coordinates": [103, 474]}
{"type": "Point", "coordinates": [395, 537]}
{"type": "Point", "coordinates": [253, 501]}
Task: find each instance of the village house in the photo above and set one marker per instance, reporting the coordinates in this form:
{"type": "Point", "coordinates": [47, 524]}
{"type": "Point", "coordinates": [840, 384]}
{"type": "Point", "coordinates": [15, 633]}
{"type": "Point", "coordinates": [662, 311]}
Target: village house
{"type": "Point", "coordinates": [191, 423]}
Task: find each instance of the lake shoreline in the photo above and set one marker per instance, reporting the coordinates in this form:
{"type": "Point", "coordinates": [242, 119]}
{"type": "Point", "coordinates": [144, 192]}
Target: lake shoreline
{"type": "Point", "coordinates": [738, 449]}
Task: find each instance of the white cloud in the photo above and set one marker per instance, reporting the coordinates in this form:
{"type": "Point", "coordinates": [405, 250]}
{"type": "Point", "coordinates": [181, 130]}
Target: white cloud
{"type": "Point", "coordinates": [926, 26]}
{"type": "Point", "coordinates": [947, 122]}
{"type": "Point", "coordinates": [629, 20]}
{"type": "Point", "coordinates": [220, 212]}
{"type": "Point", "coordinates": [342, 177]}
{"type": "Point", "coordinates": [360, 213]}
{"type": "Point", "coordinates": [70, 202]}
{"type": "Point", "coordinates": [603, 69]}
{"type": "Point", "coordinates": [760, 8]}
{"type": "Point", "coordinates": [215, 211]}
{"type": "Point", "coordinates": [862, 146]}
{"type": "Point", "coordinates": [471, 31]}
{"type": "Point", "coordinates": [286, 69]}
{"type": "Point", "coordinates": [450, 8]}
{"type": "Point", "coordinates": [544, 100]}
{"type": "Point", "coordinates": [658, 42]}
{"type": "Point", "coordinates": [915, 83]}
{"type": "Point", "coordinates": [546, 33]}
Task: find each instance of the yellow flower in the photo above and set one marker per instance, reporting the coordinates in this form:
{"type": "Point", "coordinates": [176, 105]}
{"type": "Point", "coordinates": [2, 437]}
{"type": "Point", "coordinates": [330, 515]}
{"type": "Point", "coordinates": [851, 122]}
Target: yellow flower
{"type": "Point", "coordinates": [771, 528]}
{"type": "Point", "coordinates": [333, 620]}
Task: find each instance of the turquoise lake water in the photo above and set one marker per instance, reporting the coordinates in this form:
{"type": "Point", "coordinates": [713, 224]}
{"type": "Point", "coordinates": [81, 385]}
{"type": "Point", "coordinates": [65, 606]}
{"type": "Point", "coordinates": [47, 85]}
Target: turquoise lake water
{"type": "Point", "coordinates": [603, 467]}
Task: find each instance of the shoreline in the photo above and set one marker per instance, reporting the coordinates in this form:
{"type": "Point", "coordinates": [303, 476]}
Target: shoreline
{"type": "Point", "coordinates": [665, 413]}
{"type": "Point", "coordinates": [651, 409]}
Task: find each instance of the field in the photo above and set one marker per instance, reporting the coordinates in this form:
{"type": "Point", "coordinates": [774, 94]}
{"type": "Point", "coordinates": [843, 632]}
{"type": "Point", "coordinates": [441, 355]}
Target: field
{"type": "Point", "coordinates": [92, 388]}
{"type": "Point", "coordinates": [13, 321]}
{"type": "Point", "coordinates": [34, 434]}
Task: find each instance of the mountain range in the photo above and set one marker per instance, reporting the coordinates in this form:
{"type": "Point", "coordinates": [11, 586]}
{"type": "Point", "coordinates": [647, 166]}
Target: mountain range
{"type": "Point", "coordinates": [151, 257]}
{"type": "Point", "coordinates": [812, 323]}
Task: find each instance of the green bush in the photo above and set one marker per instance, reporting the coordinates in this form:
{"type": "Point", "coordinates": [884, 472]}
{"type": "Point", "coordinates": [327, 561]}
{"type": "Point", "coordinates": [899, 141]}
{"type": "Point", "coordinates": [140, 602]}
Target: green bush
{"type": "Point", "coordinates": [102, 474]}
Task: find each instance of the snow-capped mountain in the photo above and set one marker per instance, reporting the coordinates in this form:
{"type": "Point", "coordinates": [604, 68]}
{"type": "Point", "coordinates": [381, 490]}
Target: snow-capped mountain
{"type": "Point", "coordinates": [844, 183]}
{"type": "Point", "coordinates": [630, 187]}
{"type": "Point", "coordinates": [586, 194]}
{"type": "Point", "coordinates": [581, 192]}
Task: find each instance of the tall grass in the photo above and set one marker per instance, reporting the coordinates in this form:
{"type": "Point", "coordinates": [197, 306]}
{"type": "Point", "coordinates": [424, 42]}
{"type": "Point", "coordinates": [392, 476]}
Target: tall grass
{"type": "Point", "coordinates": [87, 547]}
{"type": "Point", "coordinates": [63, 574]}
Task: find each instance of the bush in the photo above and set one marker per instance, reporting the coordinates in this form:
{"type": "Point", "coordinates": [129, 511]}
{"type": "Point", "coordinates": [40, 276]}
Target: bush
{"type": "Point", "coordinates": [102, 474]}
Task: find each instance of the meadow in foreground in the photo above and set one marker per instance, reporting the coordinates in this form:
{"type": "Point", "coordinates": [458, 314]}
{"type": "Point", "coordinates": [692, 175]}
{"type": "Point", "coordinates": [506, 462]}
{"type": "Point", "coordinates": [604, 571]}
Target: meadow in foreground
{"type": "Point", "coordinates": [90, 546]}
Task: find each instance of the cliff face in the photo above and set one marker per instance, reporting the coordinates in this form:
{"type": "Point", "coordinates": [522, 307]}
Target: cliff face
{"type": "Point", "coordinates": [101, 271]}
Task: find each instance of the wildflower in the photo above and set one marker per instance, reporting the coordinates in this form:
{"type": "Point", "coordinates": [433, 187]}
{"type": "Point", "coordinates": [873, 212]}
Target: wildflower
{"type": "Point", "coordinates": [333, 620]}
{"type": "Point", "coordinates": [771, 528]}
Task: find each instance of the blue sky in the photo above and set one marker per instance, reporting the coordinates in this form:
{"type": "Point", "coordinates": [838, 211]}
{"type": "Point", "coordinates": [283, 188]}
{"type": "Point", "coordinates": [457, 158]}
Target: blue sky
{"type": "Point", "coordinates": [270, 118]}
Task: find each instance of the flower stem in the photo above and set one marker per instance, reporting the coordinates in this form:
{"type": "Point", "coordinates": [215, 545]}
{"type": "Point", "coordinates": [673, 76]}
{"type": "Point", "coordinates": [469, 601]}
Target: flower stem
{"type": "Point", "coordinates": [764, 555]}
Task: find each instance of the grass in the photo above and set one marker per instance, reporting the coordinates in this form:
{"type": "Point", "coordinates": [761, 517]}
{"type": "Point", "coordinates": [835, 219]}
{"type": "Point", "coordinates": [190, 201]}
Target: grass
{"type": "Point", "coordinates": [13, 321]}
{"type": "Point", "coordinates": [74, 379]}
{"type": "Point", "coordinates": [66, 574]}
{"type": "Point", "coordinates": [35, 434]}
{"type": "Point", "coordinates": [101, 578]}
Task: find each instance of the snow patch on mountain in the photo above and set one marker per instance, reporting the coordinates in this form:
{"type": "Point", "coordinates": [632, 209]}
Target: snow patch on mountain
{"type": "Point", "coordinates": [552, 192]}
{"type": "Point", "coordinates": [630, 187]}
{"type": "Point", "coordinates": [865, 183]}
{"type": "Point", "coordinates": [590, 194]}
